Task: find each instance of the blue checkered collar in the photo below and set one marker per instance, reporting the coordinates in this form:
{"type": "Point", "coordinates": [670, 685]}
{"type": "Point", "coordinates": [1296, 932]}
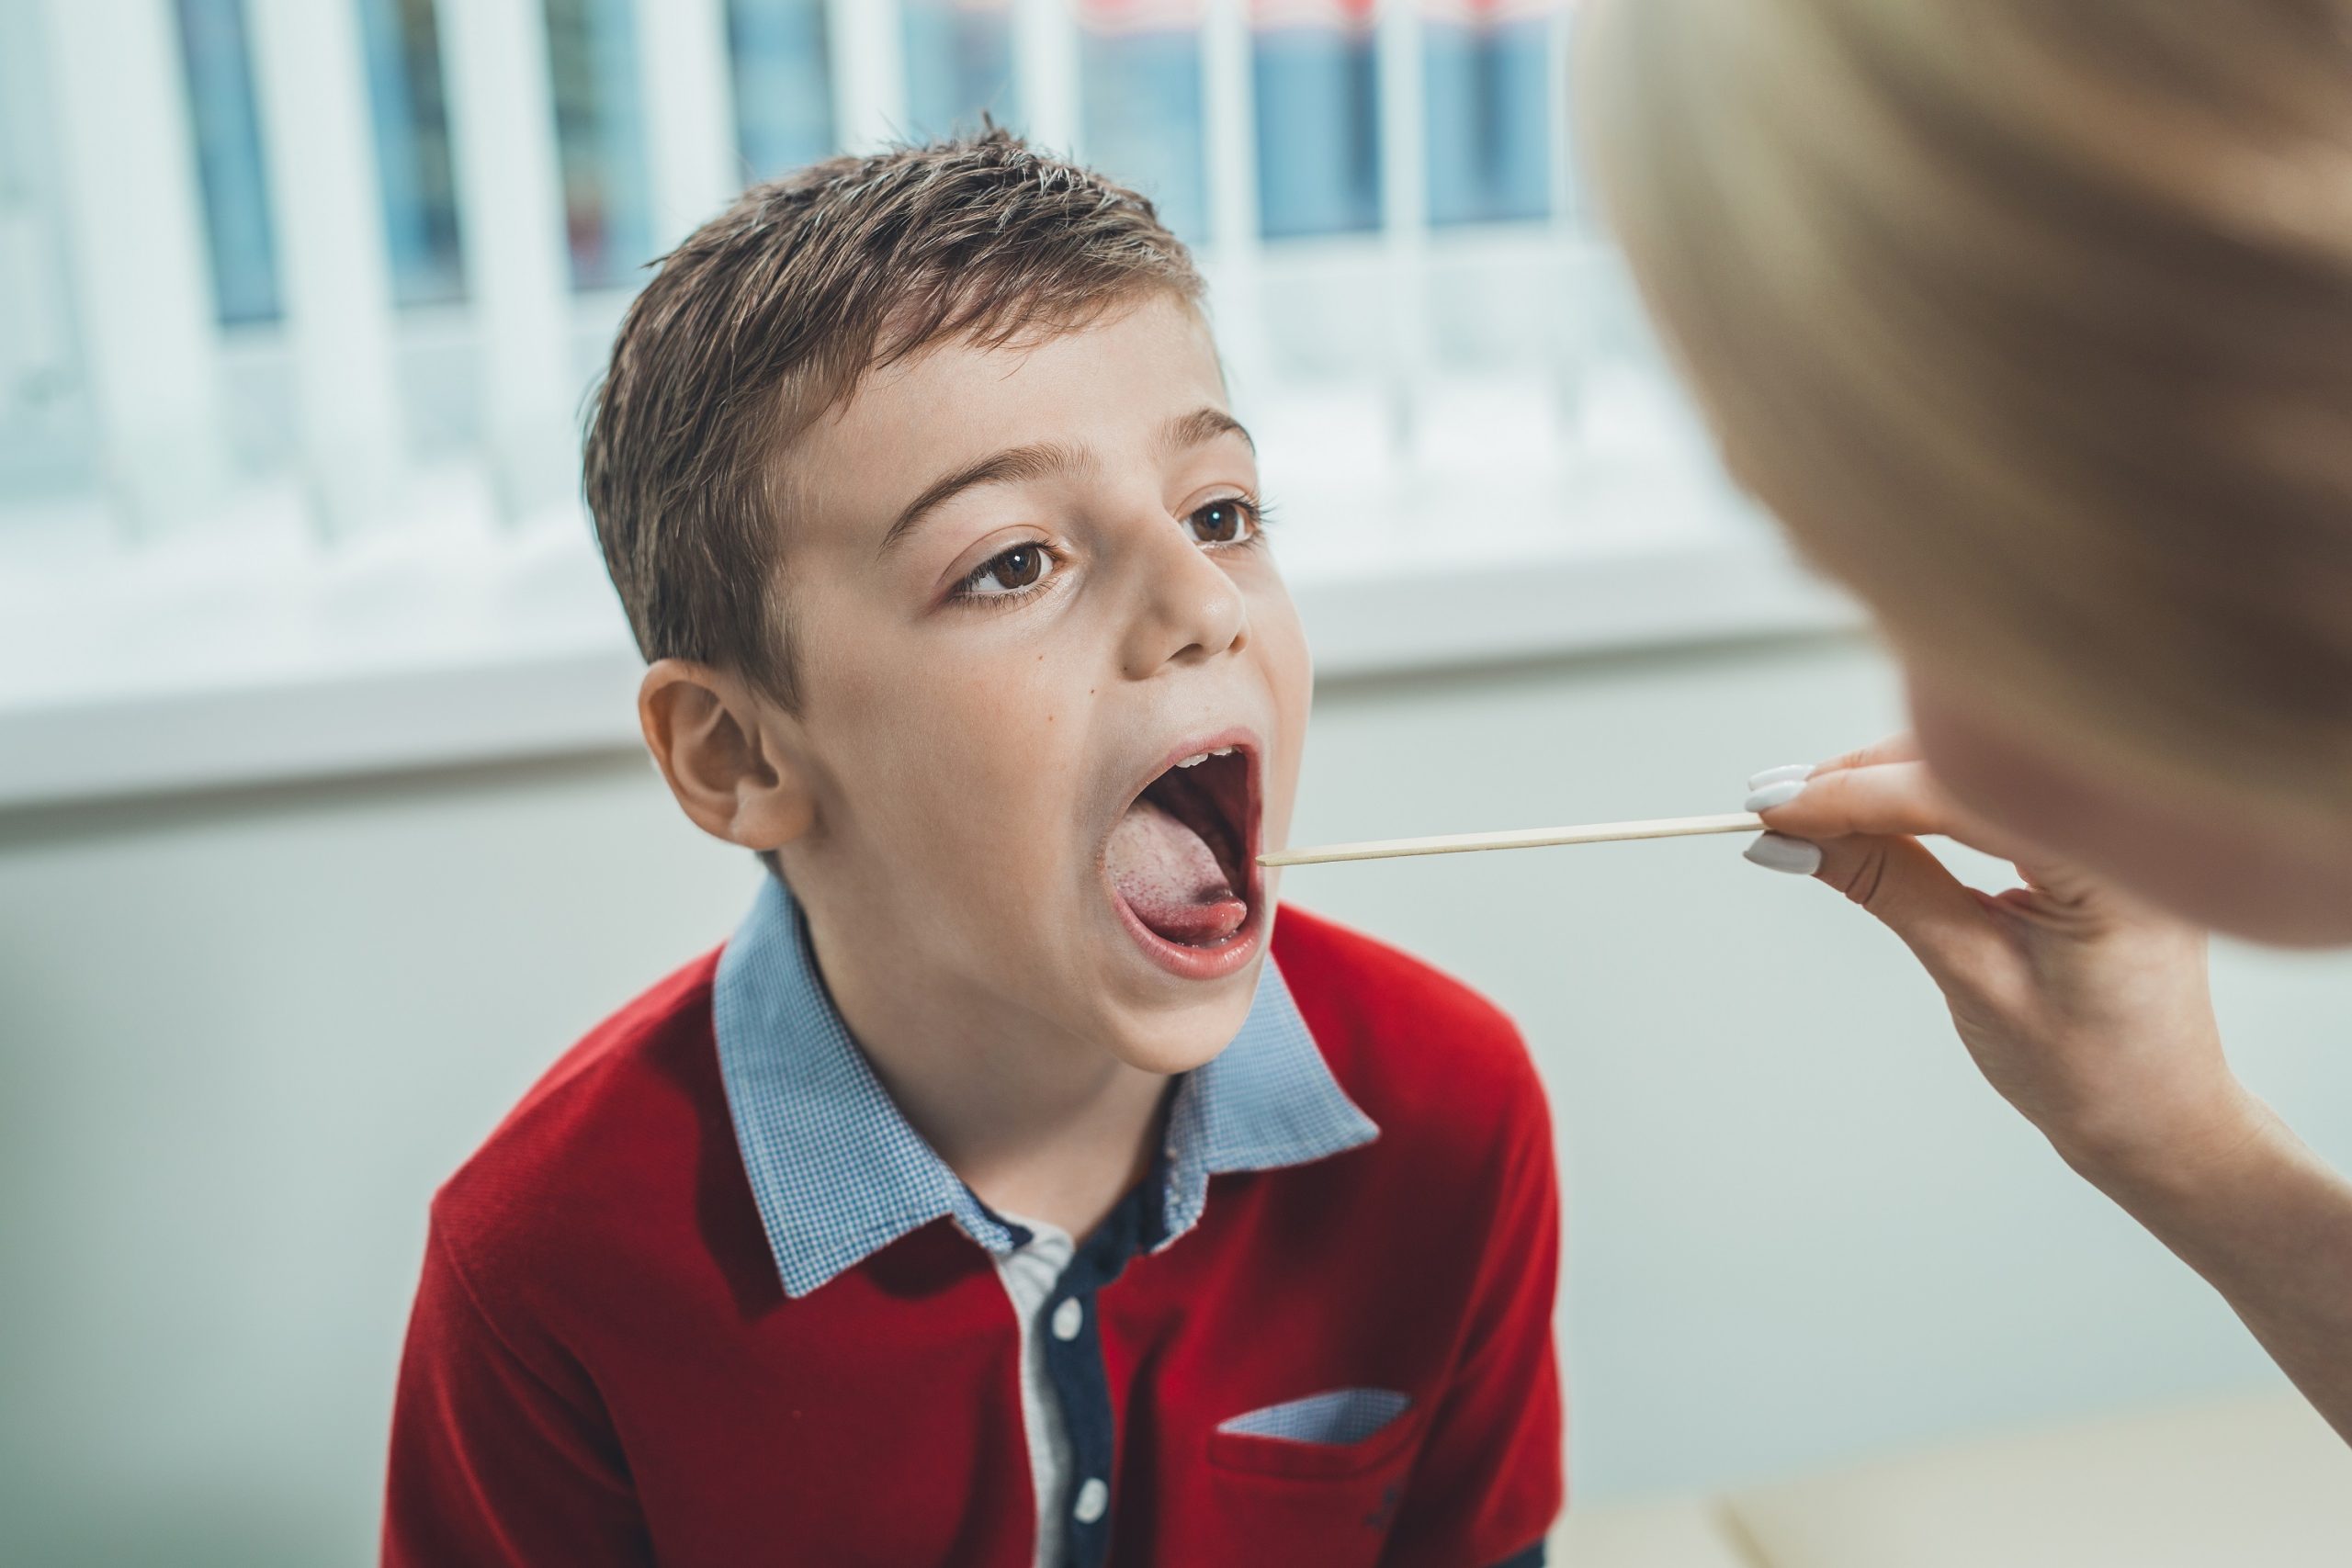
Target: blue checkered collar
{"type": "Point", "coordinates": [838, 1172]}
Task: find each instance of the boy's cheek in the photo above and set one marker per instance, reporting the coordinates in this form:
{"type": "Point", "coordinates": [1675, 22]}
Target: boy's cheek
{"type": "Point", "coordinates": [944, 758]}
{"type": "Point", "coordinates": [1290, 679]}
{"type": "Point", "coordinates": [1281, 639]}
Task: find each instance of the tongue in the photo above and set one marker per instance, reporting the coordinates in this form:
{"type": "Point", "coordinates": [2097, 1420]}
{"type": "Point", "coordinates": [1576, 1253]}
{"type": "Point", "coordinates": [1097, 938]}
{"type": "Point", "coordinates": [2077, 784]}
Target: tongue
{"type": "Point", "coordinates": [1170, 878]}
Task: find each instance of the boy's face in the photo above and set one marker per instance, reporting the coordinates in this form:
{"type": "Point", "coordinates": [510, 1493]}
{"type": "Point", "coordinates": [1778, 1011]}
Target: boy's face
{"type": "Point", "coordinates": [1024, 584]}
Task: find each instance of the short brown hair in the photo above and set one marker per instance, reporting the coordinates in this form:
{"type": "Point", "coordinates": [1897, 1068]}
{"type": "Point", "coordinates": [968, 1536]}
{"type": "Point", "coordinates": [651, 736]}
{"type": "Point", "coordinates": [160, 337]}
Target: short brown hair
{"type": "Point", "coordinates": [770, 314]}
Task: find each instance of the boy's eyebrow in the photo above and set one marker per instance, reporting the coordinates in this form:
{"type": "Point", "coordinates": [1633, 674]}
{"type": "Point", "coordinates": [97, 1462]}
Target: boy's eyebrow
{"type": "Point", "coordinates": [1045, 459]}
{"type": "Point", "coordinates": [1199, 427]}
{"type": "Point", "coordinates": [1038, 460]}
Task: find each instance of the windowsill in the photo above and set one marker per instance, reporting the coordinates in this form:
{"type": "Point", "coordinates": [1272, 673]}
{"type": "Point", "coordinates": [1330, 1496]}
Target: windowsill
{"type": "Point", "coordinates": [207, 672]}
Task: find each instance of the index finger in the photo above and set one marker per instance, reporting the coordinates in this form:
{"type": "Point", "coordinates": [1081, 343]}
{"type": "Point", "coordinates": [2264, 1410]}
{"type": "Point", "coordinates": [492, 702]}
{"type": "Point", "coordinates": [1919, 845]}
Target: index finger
{"type": "Point", "coordinates": [1903, 747]}
{"type": "Point", "coordinates": [1881, 799]}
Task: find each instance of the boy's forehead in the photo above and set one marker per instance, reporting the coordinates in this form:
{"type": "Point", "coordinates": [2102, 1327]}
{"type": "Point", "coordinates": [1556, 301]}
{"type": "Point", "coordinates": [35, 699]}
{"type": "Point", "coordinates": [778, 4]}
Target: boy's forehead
{"type": "Point", "coordinates": [1111, 383]}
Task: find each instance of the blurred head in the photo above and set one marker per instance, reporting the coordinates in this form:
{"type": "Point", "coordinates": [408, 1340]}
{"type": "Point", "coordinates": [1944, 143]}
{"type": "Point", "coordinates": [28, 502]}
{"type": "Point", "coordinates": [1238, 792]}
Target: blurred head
{"type": "Point", "coordinates": [916, 476]}
{"type": "Point", "coordinates": [2034, 322]}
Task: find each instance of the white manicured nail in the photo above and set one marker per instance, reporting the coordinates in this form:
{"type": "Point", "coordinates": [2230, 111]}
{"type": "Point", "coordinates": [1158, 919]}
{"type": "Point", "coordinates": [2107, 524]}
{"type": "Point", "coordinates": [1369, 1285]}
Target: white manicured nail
{"type": "Point", "coordinates": [1781, 775]}
{"type": "Point", "coordinates": [1775, 794]}
{"type": "Point", "coordinates": [1775, 851]}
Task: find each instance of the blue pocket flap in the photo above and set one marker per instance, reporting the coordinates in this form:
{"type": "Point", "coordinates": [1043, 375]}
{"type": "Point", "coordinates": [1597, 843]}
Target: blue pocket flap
{"type": "Point", "coordinates": [1336, 1416]}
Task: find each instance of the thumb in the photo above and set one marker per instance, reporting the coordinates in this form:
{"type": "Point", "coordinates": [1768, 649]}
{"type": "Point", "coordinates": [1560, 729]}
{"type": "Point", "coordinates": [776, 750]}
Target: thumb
{"type": "Point", "coordinates": [1941, 919]}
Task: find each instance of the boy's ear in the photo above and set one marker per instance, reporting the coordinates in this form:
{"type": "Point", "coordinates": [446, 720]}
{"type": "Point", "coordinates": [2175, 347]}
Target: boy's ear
{"type": "Point", "coordinates": [703, 728]}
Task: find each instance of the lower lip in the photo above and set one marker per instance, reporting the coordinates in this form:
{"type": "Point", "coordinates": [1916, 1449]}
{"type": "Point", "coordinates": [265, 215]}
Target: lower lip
{"type": "Point", "coordinates": [1187, 963]}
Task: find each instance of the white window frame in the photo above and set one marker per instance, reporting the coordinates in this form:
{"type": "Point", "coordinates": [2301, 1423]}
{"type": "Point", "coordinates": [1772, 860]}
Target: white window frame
{"type": "Point", "coordinates": [395, 601]}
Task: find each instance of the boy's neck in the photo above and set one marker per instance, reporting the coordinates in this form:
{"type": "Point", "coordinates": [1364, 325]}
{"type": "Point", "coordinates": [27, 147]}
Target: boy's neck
{"type": "Point", "coordinates": [1039, 1123]}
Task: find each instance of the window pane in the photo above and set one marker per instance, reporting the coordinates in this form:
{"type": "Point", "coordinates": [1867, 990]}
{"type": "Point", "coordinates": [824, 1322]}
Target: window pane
{"type": "Point", "coordinates": [1316, 75]}
{"type": "Point", "coordinates": [1486, 71]}
{"type": "Point", "coordinates": [44, 435]}
{"type": "Point", "coordinates": [600, 136]}
{"type": "Point", "coordinates": [412, 150]}
{"type": "Point", "coordinates": [228, 158]}
{"type": "Point", "coordinates": [959, 65]}
{"type": "Point", "coordinates": [784, 95]}
{"type": "Point", "coordinates": [1139, 80]}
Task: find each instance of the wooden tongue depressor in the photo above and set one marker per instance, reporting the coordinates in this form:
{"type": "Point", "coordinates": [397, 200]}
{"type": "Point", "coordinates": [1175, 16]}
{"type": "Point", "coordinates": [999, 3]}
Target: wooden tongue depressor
{"type": "Point", "coordinates": [1520, 838]}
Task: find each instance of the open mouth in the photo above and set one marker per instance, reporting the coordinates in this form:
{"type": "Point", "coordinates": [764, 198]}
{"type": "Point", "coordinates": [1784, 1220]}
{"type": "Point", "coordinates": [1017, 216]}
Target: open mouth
{"type": "Point", "coordinates": [1179, 861]}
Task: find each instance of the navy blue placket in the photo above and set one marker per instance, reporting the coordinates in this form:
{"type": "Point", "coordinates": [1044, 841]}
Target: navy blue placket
{"type": "Point", "coordinates": [1074, 1362]}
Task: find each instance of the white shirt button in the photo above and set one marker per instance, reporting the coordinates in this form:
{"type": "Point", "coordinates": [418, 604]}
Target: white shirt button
{"type": "Point", "coordinates": [1092, 1498]}
{"type": "Point", "coordinates": [1068, 1318]}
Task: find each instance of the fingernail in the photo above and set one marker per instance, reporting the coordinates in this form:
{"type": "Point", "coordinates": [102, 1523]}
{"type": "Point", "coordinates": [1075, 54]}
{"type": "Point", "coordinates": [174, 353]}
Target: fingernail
{"type": "Point", "coordinates": [1798, 771]}
{"type": "Point", "coordinates": [1775, 794]}
{"type": "Point", "coordinates": [1776, 852]}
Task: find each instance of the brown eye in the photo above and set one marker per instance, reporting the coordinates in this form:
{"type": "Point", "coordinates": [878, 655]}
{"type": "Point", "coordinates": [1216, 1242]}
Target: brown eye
{"type": "Point", "coordinates": [1223, 522]}
{"type": "Point", "coordinates": [1017, 567]}
{"type": "Point", "coordinates": [1024, 566]}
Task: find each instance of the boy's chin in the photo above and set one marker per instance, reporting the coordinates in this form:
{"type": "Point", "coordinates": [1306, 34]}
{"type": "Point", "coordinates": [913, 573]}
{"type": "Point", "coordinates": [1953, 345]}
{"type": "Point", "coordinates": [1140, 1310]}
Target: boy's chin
{"type": "Point", "coordinates": [1178, 1039]}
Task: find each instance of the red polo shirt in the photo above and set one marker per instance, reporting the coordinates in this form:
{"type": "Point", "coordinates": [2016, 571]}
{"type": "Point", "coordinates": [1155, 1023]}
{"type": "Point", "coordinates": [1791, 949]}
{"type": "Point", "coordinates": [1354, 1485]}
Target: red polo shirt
{"type": "Point", "coordinates": [604, 1366]}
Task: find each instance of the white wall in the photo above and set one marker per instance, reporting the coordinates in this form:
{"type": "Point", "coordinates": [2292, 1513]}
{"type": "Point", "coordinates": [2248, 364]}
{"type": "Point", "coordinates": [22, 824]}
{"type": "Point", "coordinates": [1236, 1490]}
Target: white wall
{"type": "Point", "coordinates": [240, 1039]}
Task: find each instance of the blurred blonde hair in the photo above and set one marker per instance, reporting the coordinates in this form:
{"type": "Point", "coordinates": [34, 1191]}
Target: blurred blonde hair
{"type": "Point", "coordinates": [2033, 320]}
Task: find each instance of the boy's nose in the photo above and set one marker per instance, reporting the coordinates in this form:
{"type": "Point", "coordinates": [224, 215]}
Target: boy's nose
{"type": "Point", "coordinates": [1188, 609]}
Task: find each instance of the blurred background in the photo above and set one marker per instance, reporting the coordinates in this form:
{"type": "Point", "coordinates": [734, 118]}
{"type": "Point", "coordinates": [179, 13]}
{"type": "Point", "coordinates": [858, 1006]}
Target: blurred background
{"type": "Point", "coordinates": [324, 826]}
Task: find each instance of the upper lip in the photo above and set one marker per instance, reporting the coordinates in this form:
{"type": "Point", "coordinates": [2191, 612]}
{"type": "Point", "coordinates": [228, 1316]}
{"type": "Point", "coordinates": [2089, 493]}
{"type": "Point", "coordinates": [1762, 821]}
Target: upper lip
{"type": "Point", "coordinates": [1241, 738]}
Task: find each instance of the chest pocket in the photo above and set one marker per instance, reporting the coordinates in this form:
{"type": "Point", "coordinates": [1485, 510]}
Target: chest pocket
{"type": "Point", "coordinates": [1317, 1480]}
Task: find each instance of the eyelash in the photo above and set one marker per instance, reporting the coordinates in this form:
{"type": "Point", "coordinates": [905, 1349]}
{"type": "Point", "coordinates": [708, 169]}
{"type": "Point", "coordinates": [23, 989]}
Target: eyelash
{"type": "Point", "coordinates": [1261, 516]}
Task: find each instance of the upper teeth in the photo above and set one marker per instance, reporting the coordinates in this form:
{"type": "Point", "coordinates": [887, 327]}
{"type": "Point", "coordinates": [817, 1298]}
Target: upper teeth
{"type": "Point", "coordinates": [1198, 758]}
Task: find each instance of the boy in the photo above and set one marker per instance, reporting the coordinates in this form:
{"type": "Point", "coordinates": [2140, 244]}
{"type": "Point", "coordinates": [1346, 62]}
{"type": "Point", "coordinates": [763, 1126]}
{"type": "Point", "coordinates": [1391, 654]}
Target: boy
{"type": "Point", "coordinates": [990, 1198]}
